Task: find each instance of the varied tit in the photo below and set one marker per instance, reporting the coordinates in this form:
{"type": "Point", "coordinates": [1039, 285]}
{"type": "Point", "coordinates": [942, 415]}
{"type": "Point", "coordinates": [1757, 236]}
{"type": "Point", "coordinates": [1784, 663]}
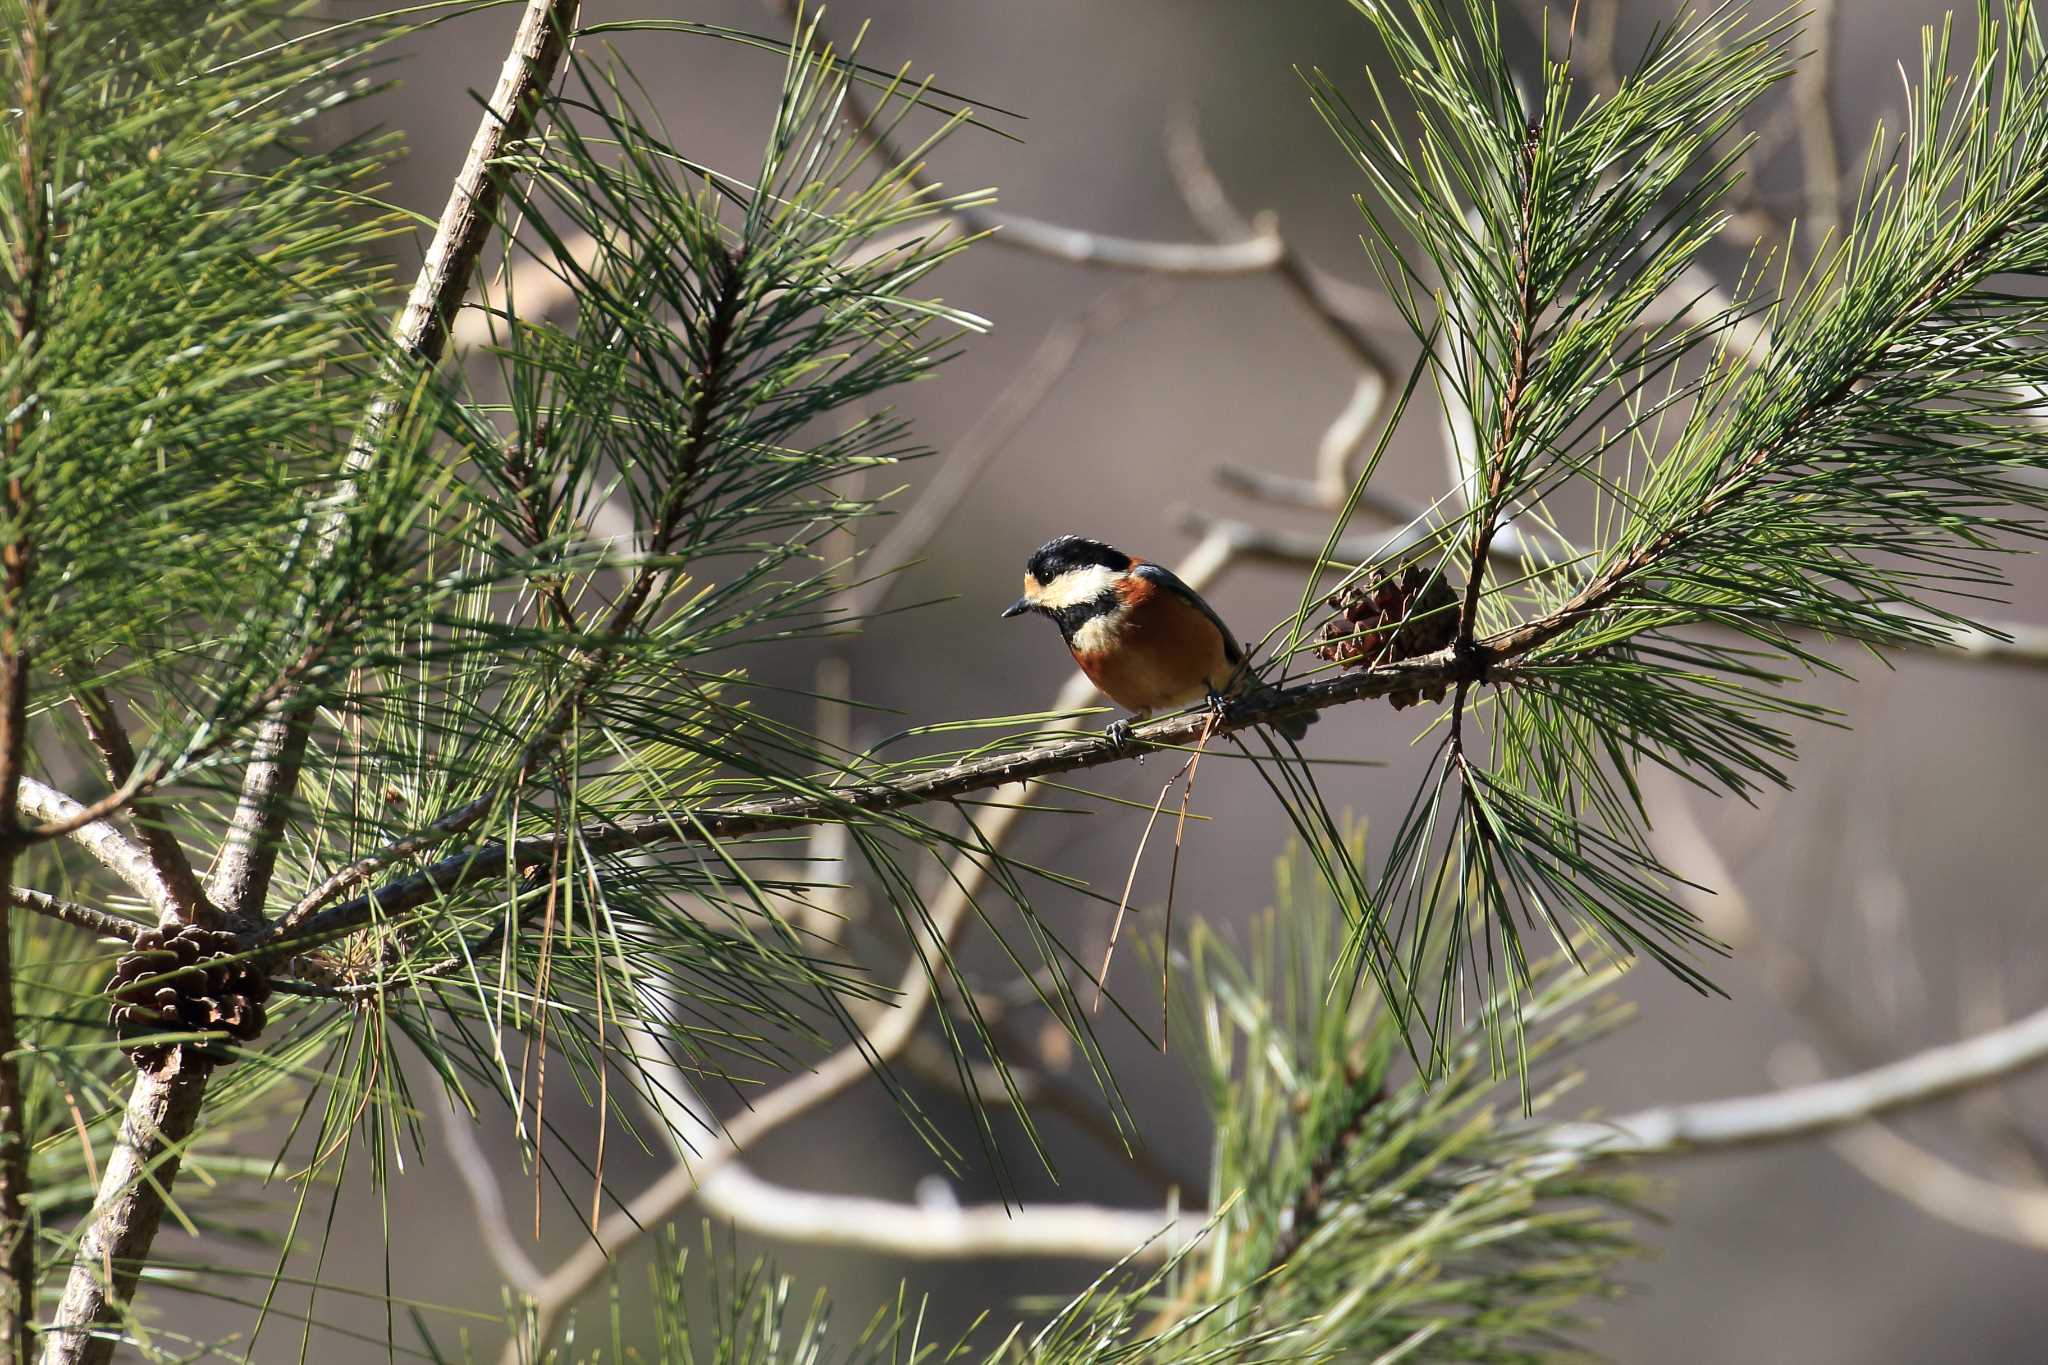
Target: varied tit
{"type": "Point", "coordinates": [1146, 639]}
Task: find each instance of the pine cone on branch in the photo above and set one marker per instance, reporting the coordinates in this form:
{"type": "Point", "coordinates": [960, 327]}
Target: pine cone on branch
{"type": "Point", "coordinates": [185, 979]}
{"type": "Point", "coordinates": [1391, 620]}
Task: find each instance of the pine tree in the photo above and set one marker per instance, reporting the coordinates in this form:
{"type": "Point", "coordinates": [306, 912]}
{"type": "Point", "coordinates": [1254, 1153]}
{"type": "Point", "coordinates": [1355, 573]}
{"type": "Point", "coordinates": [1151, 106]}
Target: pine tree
{"type": "Point", "coordinates": [433, 668]}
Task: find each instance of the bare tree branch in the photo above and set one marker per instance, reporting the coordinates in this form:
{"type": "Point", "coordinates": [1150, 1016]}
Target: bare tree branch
{"type": "Point", "coordinates": [926, 1230]}
{"type": "Point", "coordinates": [938, 1230]}
{"type": "Point", "coordinates": [1253, 256]}
{"type": "Point", "coordinates": [990, 434]}
{"type": "Point", "coordinates": [74, 914]}
{"type": "Point", "coordinates": [1298, 549]}
{"type": "Point", "coordinates": [1345, 310]}
{"type": "Point", "coordinates": [173, 869]}
{"type": "Point", "coordinates": [1347, 433]}
{"type": "Point", "coordinates": [1813, 97]}
{"type": "Point", "coordinates": [458, 1132]}
{"type": "Point", "coordinates": [1825, 1106]}
{"type": "Point", "coordinates": [108, 846]}
{"type": "Point", "coordinates": [1941, 1189]}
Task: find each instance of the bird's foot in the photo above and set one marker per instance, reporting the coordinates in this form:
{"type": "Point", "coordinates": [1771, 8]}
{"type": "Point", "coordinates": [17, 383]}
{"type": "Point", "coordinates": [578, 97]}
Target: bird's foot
{"type": "Point", "coordinates": [1119, 734]}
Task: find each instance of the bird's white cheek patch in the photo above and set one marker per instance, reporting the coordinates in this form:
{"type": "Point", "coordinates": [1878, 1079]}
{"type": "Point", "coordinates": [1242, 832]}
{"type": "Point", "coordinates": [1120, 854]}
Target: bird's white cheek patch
{"type": "Point", "coordinates": [1072, 588]}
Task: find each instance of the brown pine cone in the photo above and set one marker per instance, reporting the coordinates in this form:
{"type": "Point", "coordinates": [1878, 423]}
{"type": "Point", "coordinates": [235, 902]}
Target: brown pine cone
{"type": "Point", "coordinates": [1390, 620]}
{"type": "Point", "coordinates": [185, 980]}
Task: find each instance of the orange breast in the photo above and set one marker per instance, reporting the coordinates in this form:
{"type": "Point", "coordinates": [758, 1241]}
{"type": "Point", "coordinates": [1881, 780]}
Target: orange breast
{"type": "Point", "coordinates": [1157, 653]}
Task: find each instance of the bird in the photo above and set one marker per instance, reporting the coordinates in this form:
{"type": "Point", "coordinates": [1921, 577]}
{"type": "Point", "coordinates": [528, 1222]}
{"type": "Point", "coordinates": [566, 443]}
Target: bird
{"type": "Point", "coordinates": [1144, 638]}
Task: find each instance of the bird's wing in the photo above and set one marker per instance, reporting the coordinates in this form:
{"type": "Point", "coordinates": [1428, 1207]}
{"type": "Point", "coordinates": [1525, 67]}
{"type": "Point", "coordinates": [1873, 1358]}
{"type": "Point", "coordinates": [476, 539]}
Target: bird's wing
{"type": "Point", "coordinates": [1167, 579]}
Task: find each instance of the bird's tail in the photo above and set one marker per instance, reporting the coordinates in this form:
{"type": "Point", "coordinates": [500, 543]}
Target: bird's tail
{"type": "Point", "coordinates": [1295, 727]}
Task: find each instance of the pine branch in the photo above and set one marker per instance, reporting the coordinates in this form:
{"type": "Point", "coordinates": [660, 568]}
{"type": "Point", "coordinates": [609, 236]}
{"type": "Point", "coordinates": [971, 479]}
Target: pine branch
{"type": "Point", "coordinates": [187, 899]}
{"type": "Point", "coordinates": [2006, 644]}
{"type": "Point", "coordinates": [74, 914]}
{"type": "Point", "coordinates": [163, 1107]}
{"type": "Point", "coordinates": [880, 1043]}
{"type": "Point", "coordinates": [858, 800]}
{"type": "Point", "coordinates": [1307, 1210]}
{"type": "Point", "coordinates": [98, 837]}
{"type": "Point", "coordinates": [158, 1123]}
{"type": "Point", "coordinates": [241, 879]}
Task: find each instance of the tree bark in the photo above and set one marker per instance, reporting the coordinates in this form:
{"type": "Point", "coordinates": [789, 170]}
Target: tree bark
{"type": "Point", "coordinates": [163, 1113]}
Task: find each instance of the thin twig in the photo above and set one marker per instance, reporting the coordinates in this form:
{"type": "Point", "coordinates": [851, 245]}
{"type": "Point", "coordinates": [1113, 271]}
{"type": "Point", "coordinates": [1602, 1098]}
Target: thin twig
{"type": "Point", "coordinates": [1123, 902]}
{"type": "Point", "coordinates": [74, 914]}
{"type": "Point", "coordinates": [1678, 1130]}
{"type": "Point", "coordinates": [853, 801]}
{"type": "Point", "coordinates": [108, 846]}
{"type": "Point", "coordinates": [188, 903]}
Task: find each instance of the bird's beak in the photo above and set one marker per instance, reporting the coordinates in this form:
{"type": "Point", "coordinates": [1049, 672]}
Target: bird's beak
{"type": "Point", "coordinates": [1017, 608]}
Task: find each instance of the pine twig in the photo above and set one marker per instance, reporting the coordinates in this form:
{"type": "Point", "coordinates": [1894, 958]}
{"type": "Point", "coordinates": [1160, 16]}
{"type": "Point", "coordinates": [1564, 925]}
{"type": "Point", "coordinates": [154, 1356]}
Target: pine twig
{"type": "Point", "coordinates": [1307, 1211]}
{"type": "Point", "coordinates": [187, 899]}
{"type": "Point", "coordinates": [484, 862]}
{"type": "Point", "coordinates": [76, 915]}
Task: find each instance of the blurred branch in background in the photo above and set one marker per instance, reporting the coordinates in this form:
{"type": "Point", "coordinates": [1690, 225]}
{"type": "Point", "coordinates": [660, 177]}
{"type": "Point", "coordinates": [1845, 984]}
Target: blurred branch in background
{"type": "Point", "coordinates": [1937, 1073]}
{"type": "Point", "coordinates": [2008, 1211]}
{"type": "Point", "coordinates": [1943, 1190]}
{"type": "Point", "coordinates": [1807, 1110]}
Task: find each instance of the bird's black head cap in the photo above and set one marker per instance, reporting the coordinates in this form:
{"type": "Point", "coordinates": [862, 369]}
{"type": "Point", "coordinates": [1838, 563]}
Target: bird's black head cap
{"type": "Point", "coordinates": [1059, 555]}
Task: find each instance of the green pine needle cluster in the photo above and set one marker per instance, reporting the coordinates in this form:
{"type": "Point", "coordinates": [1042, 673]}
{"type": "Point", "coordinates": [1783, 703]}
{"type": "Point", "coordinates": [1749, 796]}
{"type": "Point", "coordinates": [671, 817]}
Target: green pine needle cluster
{"type": "Point", "coordinates": [1362, 1211]}
{"type": "Point", "coordinates": [1733, 504]}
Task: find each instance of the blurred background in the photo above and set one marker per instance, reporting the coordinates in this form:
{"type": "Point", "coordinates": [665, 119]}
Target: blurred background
{"type": "Point", "coordinates": [1887, 903]}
